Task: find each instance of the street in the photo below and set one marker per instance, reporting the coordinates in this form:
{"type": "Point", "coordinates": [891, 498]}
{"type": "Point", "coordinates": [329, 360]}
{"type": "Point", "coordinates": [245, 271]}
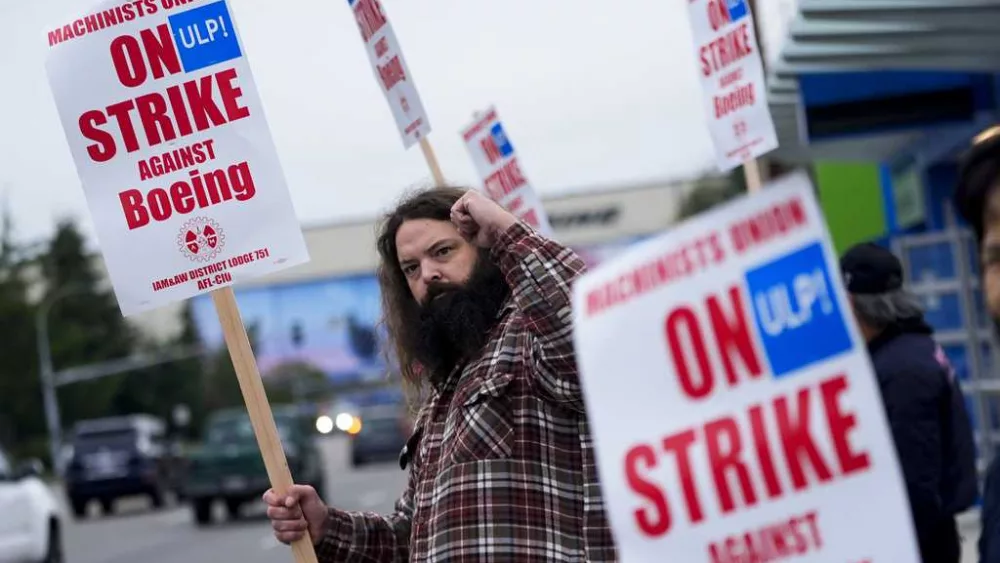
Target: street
{"type": "Point", "coordinates": [137, 535]}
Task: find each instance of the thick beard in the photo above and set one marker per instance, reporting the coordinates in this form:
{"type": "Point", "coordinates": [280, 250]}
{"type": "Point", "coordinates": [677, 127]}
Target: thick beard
{"type": "Point", "coordinates": [455, 320]}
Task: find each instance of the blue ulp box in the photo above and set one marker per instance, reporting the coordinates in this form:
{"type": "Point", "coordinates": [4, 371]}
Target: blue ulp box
{"type": "Point", "coordinates": [205, 36]}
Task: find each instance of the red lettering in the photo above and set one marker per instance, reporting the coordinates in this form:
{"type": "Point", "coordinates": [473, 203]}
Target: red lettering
{"type": "Point", "coordinates": [655, 522]}
{"type": "Point", "coordinates": [680, 446]}
{"type": "Point", "coordinates": [797, 440]}
{"type": "Point", "coordinates": [771, 542]}
{"type": "Point", "coordinates": [763, 450]}
{"type": "Point", "coordinates": [231, 95]}
{"type": "Point", "coordinates": [103, 148]}
{"type": "Point", "coordinates": [152, 110]}
{"type": "Point", "coordinates": [724, 448]}
{"type": "Point", "coordinates": [490, 149]}
{"type": "Point", "coordinates": [381, 47]}
{"type": "Point", "coordinates": [120, 112]}
{"type": "Point", "coordinates": [724, 51]}
{"type": "Point", "coordinates": [160, 51]}
{"type": "Point", "coordinates": [164, 118]}
{"type": "Point", "coordinates": [391, 73]}
{"type": "Point", "coordinates": [130, 64]}
{"type": "Point", "coordinates": [179, 111]}
{"type": "Point", "coordinates": [505, 180]}
{"type": "Point", "coordinates": [840, 425]}
{"type": "Point", "coordinates": [737, 99]}
{"type": "Point", "coordinates": [203, 108]}
{"type": "Point", "coordinates": [135, 213]}
{"type": "Point", "coordinates": [56, 37]}
{"type": "Point", "coordinates": [684, 319]}
{"type": "Point", "coordinates": [814, 529]}
{"type": "Point", "coordinates": [767, 225]}
{"type": "Point", "coordinates": [126, 55]}
{"type": "Point", "coordinates": [731, 332]}
{"type": "Point", "coordinates": [718, 14]}
{"type": "Point", "coordinates": [729, 460]}
{"type": "Point", "coordinates": [370, 17]}
{"type": "Point", "coordinates": [204, 190]}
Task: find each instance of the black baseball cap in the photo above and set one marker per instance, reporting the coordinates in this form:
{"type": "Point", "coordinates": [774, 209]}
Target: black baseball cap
{"type": "Point", "coordinates": [869, 269]}
{"type": "Point", "coordinates": [978, 174]}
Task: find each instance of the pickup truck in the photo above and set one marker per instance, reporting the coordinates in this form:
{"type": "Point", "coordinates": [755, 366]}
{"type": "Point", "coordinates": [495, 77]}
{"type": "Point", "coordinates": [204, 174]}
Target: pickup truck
{"type": "Point", "coordinates": [227, 466]}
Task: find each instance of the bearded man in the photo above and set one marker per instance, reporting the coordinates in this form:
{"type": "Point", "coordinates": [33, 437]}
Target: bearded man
{"type": "Point", "coordinates": [502, 466]}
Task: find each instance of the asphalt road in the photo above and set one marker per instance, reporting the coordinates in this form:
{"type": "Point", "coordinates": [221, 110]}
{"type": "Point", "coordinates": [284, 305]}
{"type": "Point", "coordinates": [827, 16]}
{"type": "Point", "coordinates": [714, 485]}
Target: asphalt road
{"type": "Point", "coordinates": [137, 535]}
{"type": "Point", "coordinates": [134, 534]}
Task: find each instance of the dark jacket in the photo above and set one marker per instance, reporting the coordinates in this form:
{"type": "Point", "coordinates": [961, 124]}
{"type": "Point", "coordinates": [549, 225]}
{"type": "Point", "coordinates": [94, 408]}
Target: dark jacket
{"type": "Point", "coordinates": [989, 535]}
{"type": "Point", "coordinates": [932, 433]}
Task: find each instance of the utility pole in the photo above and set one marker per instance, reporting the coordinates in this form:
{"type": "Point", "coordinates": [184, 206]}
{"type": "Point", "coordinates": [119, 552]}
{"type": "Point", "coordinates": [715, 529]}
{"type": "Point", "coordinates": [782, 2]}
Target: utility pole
{"type": "Point", "coordinates": [51, 380]}
{"type": "Point", "coordinates": [47, 373]}
{"type": "Point", "coordinates": [51, 402]}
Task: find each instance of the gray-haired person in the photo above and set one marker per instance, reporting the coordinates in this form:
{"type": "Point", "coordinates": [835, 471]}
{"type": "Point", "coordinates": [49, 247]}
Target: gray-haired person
{"type": "Point", "coordinates": [925, 409]}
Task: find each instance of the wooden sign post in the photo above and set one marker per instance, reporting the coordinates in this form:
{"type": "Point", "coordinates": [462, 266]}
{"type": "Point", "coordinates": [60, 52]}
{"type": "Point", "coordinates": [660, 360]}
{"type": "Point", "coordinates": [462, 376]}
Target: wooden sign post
{"type": "Point", "coordinates": [751, 175]}
{"type": "Point", "coordinates": [258, 407]}
{"type": "Point", "coordinates": [432, 161]}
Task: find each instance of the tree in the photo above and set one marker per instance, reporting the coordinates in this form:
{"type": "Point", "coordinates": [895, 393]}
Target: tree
{"type": "Point", "coordinates": [711, 192]}
{"type": "Point", "coordinates": [221, 387]}
{"type": "Point", "coordinates": [22, 422]}
{"type": "Point", "coordinates": [85, 323]}
{"type": "Point", "coordinates": [158, 389]}
{"type": "Point", "coordinates": [283, 378]}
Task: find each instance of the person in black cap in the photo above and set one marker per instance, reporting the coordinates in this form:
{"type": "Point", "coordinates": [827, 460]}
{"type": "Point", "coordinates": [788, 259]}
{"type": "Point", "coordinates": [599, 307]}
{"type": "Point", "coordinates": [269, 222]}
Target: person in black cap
{"type": "Point", "coordinates": [977, 199]}
{"type": "Point", "coordinates": [924, 407]}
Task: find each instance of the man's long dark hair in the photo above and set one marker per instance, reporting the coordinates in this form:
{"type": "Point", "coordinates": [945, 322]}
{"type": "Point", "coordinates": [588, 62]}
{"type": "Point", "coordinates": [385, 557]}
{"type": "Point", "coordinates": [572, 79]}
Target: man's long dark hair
{"type": "Point", "coordinates": [398, 305]}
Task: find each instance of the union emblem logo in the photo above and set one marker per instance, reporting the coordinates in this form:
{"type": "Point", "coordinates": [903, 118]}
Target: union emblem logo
{"type": "Point", "coordinates": [201, 239]}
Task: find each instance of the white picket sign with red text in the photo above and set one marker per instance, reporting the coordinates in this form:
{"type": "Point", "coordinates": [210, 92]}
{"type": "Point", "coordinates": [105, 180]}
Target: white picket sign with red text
{"type": "Point", "coordinates": [503, 177]}
{"type": "Point", "coordinates": [171, 144]}
{"type": "Point", "coordinates": [732, 78]}
{"type": "Point", "coordinates": [735, 413]}
{"type": "Point", "coordinates": [391, 72]}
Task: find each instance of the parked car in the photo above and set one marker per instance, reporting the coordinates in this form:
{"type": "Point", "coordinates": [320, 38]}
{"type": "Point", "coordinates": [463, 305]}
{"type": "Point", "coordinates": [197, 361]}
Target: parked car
{"type": "Point", "coordinates": [227, 466]}
{"type": "Point", "coordinates": [118, 457]}
{"type": "Point", "coordinates": [383, 433]}
{"type": "Point", "coordinates": [31, 522]}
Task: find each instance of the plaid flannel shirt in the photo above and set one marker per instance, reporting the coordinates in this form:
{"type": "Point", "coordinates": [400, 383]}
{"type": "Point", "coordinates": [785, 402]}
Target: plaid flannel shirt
{"type": "Point", "coordinates": [503, 465]}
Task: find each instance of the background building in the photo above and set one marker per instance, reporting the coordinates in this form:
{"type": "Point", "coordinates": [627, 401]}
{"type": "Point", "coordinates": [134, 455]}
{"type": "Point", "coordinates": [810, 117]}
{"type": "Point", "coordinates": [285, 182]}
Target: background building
{"type": "Point", "coordinates": [323, 314]}
{"type": "Point", "coordinates": [882, 98]}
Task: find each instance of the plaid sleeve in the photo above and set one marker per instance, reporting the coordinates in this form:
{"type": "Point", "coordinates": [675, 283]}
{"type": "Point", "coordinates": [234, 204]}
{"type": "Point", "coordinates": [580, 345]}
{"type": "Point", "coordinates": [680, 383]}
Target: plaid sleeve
{"type": "Point", "coordinates": [540, 273]}
{"type": "Point", "coordinates": [366, 537]}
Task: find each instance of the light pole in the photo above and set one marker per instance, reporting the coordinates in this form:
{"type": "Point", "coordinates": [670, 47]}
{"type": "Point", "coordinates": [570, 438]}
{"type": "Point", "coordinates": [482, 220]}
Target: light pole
{"type": "Point", "coordinates": [47, 373]}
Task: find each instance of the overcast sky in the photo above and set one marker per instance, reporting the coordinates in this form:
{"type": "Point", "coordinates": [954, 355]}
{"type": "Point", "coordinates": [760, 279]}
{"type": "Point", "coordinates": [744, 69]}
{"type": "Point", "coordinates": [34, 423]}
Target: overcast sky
{"type": "Point", "coordinates": [592, 93]}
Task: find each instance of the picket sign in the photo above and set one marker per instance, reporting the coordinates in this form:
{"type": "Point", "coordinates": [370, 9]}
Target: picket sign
{"type": "Point", "coordinates": [731, 72]}
{"type": "Point", "coordinates": [735, 411]}
{"type": "Point", "coordinates": [499, 168]}
{"type": "Point", "coordinates": [394, 79]}
{"type": "Point", "coordinates": [168, 134]}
